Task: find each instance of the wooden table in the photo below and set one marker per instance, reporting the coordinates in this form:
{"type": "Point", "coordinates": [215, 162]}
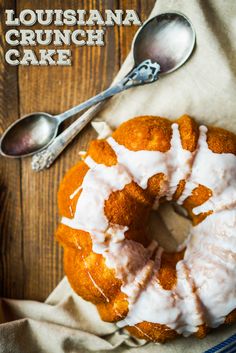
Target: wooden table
{"type": "Point", "coordinates": [31, 261]}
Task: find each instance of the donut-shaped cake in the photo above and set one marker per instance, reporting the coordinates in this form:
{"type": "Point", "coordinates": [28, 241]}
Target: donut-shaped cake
{"type": "Point", "coordinates": [110, 258]}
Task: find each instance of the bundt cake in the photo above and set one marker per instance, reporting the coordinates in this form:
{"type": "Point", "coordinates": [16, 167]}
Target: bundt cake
{"type": "Point", "coordinates": [109, 257]}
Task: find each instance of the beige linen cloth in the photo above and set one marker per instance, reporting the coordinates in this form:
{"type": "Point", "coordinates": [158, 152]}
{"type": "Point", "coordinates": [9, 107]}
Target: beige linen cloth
{"type": "Point", "coordinates": [204, 88]}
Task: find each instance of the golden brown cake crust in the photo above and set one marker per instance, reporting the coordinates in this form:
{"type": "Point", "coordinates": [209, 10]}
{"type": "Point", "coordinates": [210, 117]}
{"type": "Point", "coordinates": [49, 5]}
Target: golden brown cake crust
{"type": "Point", "coordinates": [86, 270]}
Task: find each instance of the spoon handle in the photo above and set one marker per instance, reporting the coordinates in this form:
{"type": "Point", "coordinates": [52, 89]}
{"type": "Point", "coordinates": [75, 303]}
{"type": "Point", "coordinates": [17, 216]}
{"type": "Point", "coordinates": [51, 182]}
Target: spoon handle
{"type": "Point", "coordinates": [146, 72]}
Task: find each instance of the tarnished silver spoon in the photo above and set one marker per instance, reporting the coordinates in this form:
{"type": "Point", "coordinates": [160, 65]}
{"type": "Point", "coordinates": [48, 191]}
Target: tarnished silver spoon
{"type": "Point", "coordinates": [160, 46]}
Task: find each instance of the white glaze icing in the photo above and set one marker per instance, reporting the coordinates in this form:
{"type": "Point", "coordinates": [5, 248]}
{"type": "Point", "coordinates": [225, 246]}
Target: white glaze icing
{"type": "Point", "coordinates": [215, 171]}
{"type": "Point", "coordinates": [99, 182]}
{"type": "Point", "coordinates": [178, 308]}
{"type": "Point", "coordinates": [206, 277]}
{"type": "Point", "coordinates": [211, 258]}
{"type": "Point", "coordinates": [102, 128]}
{"type": "Point", "coordinates": [142, 165]}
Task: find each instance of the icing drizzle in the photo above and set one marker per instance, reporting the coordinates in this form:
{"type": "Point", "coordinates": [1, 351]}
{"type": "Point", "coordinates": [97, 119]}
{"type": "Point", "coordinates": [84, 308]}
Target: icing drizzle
{"type": "Point", "coordinates": [206, 277]}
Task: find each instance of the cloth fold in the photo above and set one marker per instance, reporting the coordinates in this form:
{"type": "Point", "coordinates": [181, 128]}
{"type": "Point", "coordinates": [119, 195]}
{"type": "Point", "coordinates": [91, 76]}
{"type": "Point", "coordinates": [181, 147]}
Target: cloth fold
{"type": "Point", "coordinates": [204, 88]}
{"type": "Point", "coordinates": [67, 323]}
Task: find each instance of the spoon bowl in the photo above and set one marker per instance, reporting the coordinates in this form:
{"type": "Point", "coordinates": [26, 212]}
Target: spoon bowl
{"type": "Point", "coordinates": [28, 134]}
{"type": "Point", "coordinates": [168, 39]}
{"type": "Point", "coordinates": [161, 45]}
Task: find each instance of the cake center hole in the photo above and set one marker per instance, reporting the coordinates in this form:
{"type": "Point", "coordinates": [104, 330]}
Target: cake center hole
{"type": "Point", "coordinates": [170, 226]}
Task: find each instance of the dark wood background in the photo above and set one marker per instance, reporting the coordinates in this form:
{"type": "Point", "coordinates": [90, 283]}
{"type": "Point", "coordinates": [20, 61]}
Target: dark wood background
{"type": "Point", "coordinates": [31, 262]}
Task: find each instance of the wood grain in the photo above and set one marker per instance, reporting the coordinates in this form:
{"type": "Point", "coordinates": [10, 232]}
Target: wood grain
{"type": "Point", "coordinates": [11, 230]}
{"type": "Point", "coordinates": [31, 258]}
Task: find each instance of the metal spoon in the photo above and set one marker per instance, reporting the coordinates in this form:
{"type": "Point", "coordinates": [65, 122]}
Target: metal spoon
{"type": "Point", "coordinates": [160, 46]}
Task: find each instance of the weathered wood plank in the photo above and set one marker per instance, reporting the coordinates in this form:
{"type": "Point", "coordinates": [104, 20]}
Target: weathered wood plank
{"type": "Point", "coordinates": [11, 232]}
